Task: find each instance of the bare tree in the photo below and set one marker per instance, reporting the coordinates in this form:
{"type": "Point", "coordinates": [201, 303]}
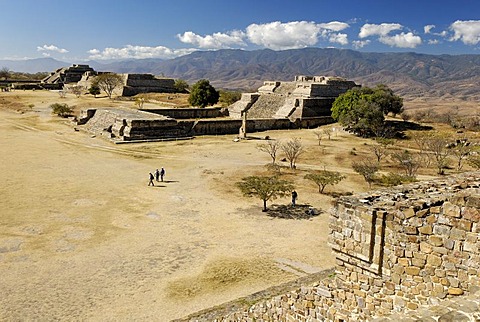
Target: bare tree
{"type": "Point", "coordinates": [5, 73]}
{"type": "Point", "coordinates": [408, 162]}
{"type": "Point", "coordinates": [437, 145]}
{"type": "Point", "coordinates": [462, 149]}
{"type": "Point", "coordinates": [421, 140]}
{"type": "Point", "coordinates": [367, 170]}
{"type": "Point", "coordinates": [328, 132]}
{"type": "Point", "coordinates": [77, 90]}
{"type": "Point", "coordinates": [293, 149]}
{"type": "Point", "coordinates": [380, 148]}
{"type": "Point", "coordinates": [271, 147]}
{"type": "Point", "coordinates": [108, 82]}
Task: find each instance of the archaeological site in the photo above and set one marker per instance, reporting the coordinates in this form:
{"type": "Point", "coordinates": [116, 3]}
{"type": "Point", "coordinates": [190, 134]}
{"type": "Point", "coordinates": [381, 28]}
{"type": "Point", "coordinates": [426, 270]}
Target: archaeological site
{"type": "Point", "coordinates": [303, 103]}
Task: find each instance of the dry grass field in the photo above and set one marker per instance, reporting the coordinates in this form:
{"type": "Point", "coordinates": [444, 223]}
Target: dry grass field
{"type": "Point", "coordinates": [82, 236]}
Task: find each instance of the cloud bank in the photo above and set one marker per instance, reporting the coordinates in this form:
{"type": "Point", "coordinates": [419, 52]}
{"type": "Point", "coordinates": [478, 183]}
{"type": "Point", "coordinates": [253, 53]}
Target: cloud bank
{"type": "Point", "coordinates": [278, 35]}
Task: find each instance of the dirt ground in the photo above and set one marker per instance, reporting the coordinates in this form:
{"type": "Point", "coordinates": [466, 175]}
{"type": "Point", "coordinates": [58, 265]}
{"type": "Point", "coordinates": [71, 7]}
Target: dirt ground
{"type": "Point", "coordinates": [82, 236]}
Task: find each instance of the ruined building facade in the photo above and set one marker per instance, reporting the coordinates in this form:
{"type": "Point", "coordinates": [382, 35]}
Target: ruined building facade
{"type": "Point", "coordinates": [305, 97]}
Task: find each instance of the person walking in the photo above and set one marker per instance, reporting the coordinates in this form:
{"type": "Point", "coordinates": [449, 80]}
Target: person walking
{"type": "Point", "coordinates": [162, 174]}
{"type": "Point", "coordinates": [150, 183]}
{"type": "Point", "coordinates": [157, 175]}
{"type": "Point", "coordinates": [294, 198]}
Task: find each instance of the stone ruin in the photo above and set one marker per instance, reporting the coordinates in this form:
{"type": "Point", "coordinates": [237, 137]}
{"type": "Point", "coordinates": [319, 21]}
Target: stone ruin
{"type": "Point", "coordinates": [146, 83]}
{"type": "Point", "coordinates": [409, 253]}
{"type": "Point", "coordinates": [65, 75]}
{"type": "Point", "coordinates": [83, 75]}
{"type": "Point", "coordinates": [304, 103]}
{"type": "Point", "coordinates": [134, 84]}
{"type": "Point", "coordinates": [305, 97]}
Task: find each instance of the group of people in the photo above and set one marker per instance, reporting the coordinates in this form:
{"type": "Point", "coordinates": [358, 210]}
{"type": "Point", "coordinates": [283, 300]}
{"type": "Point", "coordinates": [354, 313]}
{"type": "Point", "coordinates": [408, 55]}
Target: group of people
{"type": "Point", "coordinates": [157, 175]}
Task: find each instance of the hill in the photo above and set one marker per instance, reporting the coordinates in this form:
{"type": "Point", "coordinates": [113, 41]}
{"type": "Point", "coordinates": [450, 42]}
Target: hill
{"type": "Point", "coordinates": [411, 75]}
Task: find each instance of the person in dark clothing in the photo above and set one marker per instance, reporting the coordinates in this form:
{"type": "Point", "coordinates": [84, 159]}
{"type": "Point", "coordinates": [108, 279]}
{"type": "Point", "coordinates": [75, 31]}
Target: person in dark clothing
{"type": "Point", "coordinates": [162, 174]}
{"type": "Point", "coordinates": [151, 180]}
{"type": "Point", "coordinates": [294, 198]}
{"type": "Point", "coordinates": [157, 175]}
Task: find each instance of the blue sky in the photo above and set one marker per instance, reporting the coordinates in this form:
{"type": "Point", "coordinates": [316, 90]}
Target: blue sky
{"type": "Point", "coordinates": [116, 29]}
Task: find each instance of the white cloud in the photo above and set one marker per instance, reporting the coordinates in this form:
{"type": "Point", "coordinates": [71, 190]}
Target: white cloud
{"type": "Point", "coordinates": [138, 52]}
{"type": "Point", "coordinates": [403, 40]}
{"type": "Point", "coordinates": [278, 36]}
{"type": "Point", "coordinates": [428, 28]}
{"type": "Point", "coordinates": [360, 43]}
{"type": "Point", "coordinates": [433, 42]}
{"type": "Point", "coordinates": [378, 30]}
{"type": "Point", "coordinates": [334, 25]}
{"type": "Point", "coordinates": [340, 38]}
{"type": "Point", "coordinates": [51, 48]}
{"type": "Point", "coordinates": [295, 34]}
{"type": "Point", "coordinates": [216, 41]}
{"type": "Point", "coordinates": [466, 31]}
{"type": "Point", "coordinates": [384, 30]}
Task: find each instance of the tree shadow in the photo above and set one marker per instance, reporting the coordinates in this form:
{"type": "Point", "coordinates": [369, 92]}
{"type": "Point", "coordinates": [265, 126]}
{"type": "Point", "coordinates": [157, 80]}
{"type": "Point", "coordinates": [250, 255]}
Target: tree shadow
{"type": "Point", "coordinates": [289, 212]}
{"type": "Point", "coordinates": [398, 128]}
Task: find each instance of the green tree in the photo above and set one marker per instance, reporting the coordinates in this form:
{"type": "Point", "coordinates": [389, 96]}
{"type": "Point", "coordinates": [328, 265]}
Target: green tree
{"type": "Point", "coordinates": [363, 110]}
{"type": "Point", "coordinates": [181, 86]}
{"type": "Point", "coordinates": [227, 98]}
{"type": "Point", "coordinates": [265, 188]}
{"type": "Point", "coordinates": [108, 82]}
{"type": "Point", "coordinates": [324, 178]}
{"type": "Point", "coordinates": [62, 110]}
{"type": "Point", "coordinates": [94, 90]}
{"type": "Point", "coordinates": [203, 94]}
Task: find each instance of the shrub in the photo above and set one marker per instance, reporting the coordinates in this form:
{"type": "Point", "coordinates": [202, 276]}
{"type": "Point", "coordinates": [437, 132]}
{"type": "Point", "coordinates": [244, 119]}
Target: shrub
{"type": "Point", "coordinates": [62, 110]}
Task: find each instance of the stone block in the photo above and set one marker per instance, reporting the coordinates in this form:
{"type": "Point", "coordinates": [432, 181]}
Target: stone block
{"type": "Point", "coordinates": [441, 230]}
{"type": "Point", "coordinates": [455, 291]}
{"type": "Point", "coordinates": [463, 224]}
{"type": "Point", "coordinates": [451, 210]}
{"type": "Point", "coordinates": [435, 240]}
{"type": "Point", "coordinates": [471, 214]}
{"type": "Point", "coordinates": [412, 270]}
{"type": "Point", "coordinates": [435, 209]}
{"type": "Point", "coordinates": [426, 230]}
{"type": "Point", "coordinates": [409, 212]}
{"type": "Point", "coordinates": [434, 260]}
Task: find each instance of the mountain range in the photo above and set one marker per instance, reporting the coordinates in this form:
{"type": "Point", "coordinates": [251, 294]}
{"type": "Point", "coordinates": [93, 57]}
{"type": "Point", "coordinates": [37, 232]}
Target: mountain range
{"type": "Point", "coordinates": [410, 75]}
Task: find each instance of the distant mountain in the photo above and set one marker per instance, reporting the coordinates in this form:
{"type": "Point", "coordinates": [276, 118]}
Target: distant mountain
{"type": "Point", "coordinates": [409, 74]}
{"type": "Point", "coordinates": [33, 66]}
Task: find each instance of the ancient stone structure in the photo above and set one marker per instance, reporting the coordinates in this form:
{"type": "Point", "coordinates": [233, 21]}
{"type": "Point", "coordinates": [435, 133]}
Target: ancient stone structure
{"type": "Point", "coordinates": [125, 124]}
{"type": "Point", "coordinates": [65, 75]}
{"type": "Point", "coordinates": [146, 83]}
{"type": "Point", "coordinates": [411, 251]}
{"type": "Point", "coordinates": [306, 97]}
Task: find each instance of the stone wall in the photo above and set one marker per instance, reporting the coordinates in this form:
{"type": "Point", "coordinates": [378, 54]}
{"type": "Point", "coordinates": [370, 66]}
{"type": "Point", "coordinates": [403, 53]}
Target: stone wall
{"type": "Point", "coordinates": [146, 83]}
{"type": "Point", "coordinates": [188, 113]}
{"type": "Point", "coordinates": [131, 125]}
{"type": "Point", "coordinates": [396, 251]}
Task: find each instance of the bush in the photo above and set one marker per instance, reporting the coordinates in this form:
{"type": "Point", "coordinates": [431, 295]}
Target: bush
{"type": "Point", "coordinates": [62, 110]}
{"type": "Point", "coordinates": [394, 179]}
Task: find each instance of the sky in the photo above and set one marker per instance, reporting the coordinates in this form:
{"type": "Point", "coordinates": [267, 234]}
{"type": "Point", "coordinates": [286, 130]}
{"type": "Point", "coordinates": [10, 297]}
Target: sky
{"type": "Point", "coordinates": [119, 29]}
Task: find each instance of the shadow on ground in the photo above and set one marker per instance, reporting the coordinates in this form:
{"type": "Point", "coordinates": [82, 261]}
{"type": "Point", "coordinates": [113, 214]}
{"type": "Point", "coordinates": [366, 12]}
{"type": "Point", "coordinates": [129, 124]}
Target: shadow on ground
{"type": "Point", "coordinates": [289, 212]}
